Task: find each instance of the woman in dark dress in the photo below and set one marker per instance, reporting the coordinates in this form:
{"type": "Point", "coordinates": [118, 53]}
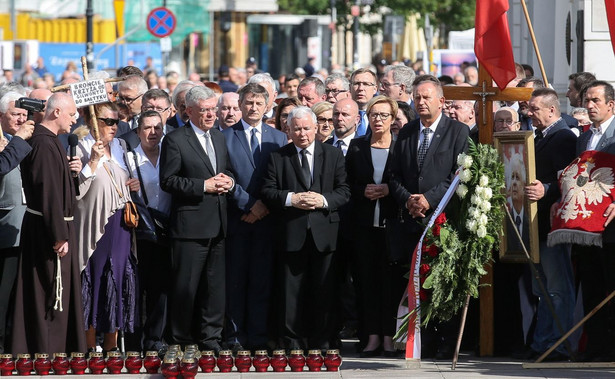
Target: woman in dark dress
{"type": "Point", "coordinates": [380, 284]}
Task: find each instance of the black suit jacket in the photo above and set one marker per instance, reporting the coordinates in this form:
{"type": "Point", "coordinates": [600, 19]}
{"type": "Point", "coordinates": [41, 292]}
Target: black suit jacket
{"type": "Point", "coordinates": [552, 153]}
{"type": "Point", "coordinates": [360, 171]}
{"type": "Point", "coordinates": [184, 167]}
{"type": "Point", "coordinates": [329, 179]}
{"type": "Point", "coordinates": [439, 166]}
{"type": "Point", "coordinates": [13, 153]}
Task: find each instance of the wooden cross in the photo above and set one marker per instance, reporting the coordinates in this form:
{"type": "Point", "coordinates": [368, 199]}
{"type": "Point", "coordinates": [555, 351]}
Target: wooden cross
{"type": "Point", "coordinates": [485, 94]}
{"type": "Point", "coordinates": [64, 87]}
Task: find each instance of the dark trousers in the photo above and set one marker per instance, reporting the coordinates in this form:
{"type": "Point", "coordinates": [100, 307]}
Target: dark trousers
{"type": "Point", "coordinates": [9, 261]}
{"type": "Point", "coordinates": [155, 274]}
{"type": "Point", "coordinates": [249, 277]}
{"type": "Point", "coordinates": [198, 294]}
{"type": "Point", "coordinates": [596, 268]}
{"type": "Point", "coordinates": [380, 285]}
{"type": "Point", "coordinates": [308, 293]}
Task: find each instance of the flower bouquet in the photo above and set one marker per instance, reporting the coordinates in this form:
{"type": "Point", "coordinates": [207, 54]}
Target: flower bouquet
{"type": "Point", "coordinates": [453, 252]}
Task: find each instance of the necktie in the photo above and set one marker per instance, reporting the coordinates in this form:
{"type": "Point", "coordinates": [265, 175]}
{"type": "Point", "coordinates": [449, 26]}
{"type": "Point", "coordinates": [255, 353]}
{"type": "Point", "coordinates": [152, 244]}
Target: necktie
{"type": "Point", "coordinates": [518, 223]}
{"type": "Point", "coordinates": [362, 128]}
{"type": "Point", "coordinates": [538, 136]}
{"type": "Point", "coordinates": [254, 146]}
{"type": "Point", "coordinates": [209, 146]}
{"type": "Point", "coordinates": [340, 145]}
{"type": "Point", "coordinates": [424, 146]}
{"type": "Point", "coordinates": [305, 168]}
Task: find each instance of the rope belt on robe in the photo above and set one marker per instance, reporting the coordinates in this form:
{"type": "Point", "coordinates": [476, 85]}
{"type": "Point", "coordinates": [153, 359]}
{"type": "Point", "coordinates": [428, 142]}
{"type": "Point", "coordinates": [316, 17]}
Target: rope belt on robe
{"type": "Point", "coordinates": [58, 280]}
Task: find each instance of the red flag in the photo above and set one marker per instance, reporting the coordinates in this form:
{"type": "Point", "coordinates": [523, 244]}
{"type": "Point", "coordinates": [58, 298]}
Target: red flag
{"type": "Point", "coordinates": [610, 16]}
{"type": "Point", "coordinates": [492, 43]}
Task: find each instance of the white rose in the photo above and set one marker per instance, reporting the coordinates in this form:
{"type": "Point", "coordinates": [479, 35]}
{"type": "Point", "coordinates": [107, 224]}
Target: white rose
{"type": "Point", "coordinates": [471, 225]}
{"type": "Point", "coordinates": [467, 161]}
{"type": "Point", "coordinates": [479, 191]}
{"type": "Point", "coordinates": [485, 206]}
{"type": "Point", "coordinates": [482, 219]}
{"type": "Point", "coordinates": [475, 199]}
{"type": "Point", "coordinates": [488, 194]}
{"type": "Point", "coordinates": [462, 191]}
{"type": "Point", "coordinates": [481, 231]}
{"type": "Point", "coordinates": [460, 159]}
{"type": "Point", "coordinates": [484, 181]}
{"type": "Point", "coordinates": [465, 176]}
{"type": "Point", "coordinates": [474, 213]}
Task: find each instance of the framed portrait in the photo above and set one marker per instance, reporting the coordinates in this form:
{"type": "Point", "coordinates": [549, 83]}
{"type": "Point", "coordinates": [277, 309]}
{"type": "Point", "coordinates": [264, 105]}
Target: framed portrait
{"type": "Point", "coordinates": [517, 152]}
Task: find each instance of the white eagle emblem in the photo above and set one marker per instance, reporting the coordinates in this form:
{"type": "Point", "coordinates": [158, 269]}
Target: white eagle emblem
{"type": "Point", "coordinates": [583, 185]}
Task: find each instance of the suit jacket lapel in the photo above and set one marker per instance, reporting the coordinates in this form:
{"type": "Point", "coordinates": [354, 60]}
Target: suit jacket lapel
{"type": "Point", "coordinates": [414, 142]}
{"type": "Point", "coordinates": [241, 136]}
{"type": "Point", "coordinates": [367, 156]}
{"type": "Point", "coordinates": [317, 169]}
{"type": "Point", "coordinates": [295, 161]}
{"type": "Point", "coordinates": [193, 140]}
{"type": "Point", "coordinates": [607, 138]}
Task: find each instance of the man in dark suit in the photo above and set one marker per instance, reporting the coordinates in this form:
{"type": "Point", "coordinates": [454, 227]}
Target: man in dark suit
{"type": "Point", "coordinates": [249, 249]}
{"type": "Point", "coordinates": [423, 166]}
{"type": "Point", "coordinates": [194, 169]}
{"type": "Point", "coordinates": [12, 205]}
{"type": "Point", "coordinates": [304, 186]}
{"type": "Point", "coordinates": [596, 265]}
{"type": "Point", "coordinates": [554, 145]}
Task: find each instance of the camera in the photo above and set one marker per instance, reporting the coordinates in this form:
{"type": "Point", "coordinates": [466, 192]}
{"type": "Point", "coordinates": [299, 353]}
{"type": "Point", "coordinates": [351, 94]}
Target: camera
{"type": "Point", "coordinates": [31, 105]}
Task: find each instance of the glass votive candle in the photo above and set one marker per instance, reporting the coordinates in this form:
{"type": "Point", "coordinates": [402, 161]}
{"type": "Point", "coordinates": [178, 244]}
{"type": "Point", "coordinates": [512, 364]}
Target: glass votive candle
{"type": "Point", "coordinates": [24, 364]}
{"type": "Point", "coordinates": [279, 361]}
{"type": "Point", "coordinates": [296, 360]}
{"type": "Point", "coordinates": [225, 361]}
{"type": "Point", "coordinates": [243, 362]}
{"type": "Point", "coordinates": [7, 364]}
{"type": "Point", "coordinates": [333, 360]}
{"type": "Point", "coordinates": [260, 361]}
{"type": "Point", "coordinates": [207, 361]}
{"type": "Point", "coordinates": [42, 364]}
{"type": "Point", "coordinates": [97, 363]}
{"type": "Point", "coordinates": [314, 360]}
{"type": "Point", "coordinates": [152, 362]}
{"type": "Point", "coordinates": [115, 363]}
{"type": "Point", "coordinates": [60, 364]}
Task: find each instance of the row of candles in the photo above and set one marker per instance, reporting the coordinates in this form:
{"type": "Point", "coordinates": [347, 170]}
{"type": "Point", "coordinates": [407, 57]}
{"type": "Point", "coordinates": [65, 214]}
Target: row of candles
{"type": "Point", "coordinates": [176, 362]}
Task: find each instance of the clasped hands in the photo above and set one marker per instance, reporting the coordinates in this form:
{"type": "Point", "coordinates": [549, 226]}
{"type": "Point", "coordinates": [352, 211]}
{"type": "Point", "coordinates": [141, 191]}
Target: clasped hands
{"type": "Point", "coordinates": [376, 191]}
{"type": "Point", "coordinates": [219, 184]}
{"type": "Point", "coordinates": [417, 205]}
{"type": "Point", "coordinates": [307, 200]}
{"type": "Point", "coordinates": [257, 212]}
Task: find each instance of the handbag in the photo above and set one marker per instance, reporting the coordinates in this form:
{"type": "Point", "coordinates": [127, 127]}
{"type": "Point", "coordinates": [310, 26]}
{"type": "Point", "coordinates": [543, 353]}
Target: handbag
{"type": "Point", "coordinates": [131, 215]}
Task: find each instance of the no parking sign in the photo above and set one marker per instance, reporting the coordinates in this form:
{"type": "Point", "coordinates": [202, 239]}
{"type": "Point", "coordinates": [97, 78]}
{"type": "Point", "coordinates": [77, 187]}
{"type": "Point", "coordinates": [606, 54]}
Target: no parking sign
{"type": "Point", "coordinates": [161, 22]}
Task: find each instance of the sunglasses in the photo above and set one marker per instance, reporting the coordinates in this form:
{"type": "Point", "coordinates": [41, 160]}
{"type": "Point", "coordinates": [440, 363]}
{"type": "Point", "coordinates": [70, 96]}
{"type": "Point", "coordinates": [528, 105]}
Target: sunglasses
{"type": "Point", "coordinates": [109, 121]}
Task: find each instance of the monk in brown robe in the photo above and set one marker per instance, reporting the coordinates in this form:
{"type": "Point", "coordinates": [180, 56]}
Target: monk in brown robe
{"type": "Point", "coordinates": [47, 319]}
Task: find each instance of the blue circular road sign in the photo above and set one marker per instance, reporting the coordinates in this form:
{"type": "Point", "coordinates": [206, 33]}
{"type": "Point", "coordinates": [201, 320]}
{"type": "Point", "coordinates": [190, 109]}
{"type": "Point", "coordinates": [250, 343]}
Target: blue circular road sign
{"type": "Point", "coordinates": [161, 22]}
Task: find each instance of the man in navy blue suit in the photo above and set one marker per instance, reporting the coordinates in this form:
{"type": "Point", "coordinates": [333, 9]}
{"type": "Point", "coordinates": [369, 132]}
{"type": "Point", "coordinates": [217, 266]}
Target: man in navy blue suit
{"type": "Point", "coordinates": [249, 250]}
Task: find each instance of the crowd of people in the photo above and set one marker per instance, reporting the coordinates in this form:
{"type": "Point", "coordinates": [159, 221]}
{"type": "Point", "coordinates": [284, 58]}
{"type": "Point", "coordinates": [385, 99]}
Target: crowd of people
{"type": "Point", "coordinates": [274, 213]}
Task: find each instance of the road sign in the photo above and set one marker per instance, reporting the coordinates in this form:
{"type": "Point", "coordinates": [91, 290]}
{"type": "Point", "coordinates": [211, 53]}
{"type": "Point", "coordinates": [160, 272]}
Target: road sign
{"type": "Point", "coordinates": [161, 22]}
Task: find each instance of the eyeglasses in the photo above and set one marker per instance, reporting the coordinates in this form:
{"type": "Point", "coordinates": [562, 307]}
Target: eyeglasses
{"type": "Point", "coordinates": [387, 84]}
{"type": "Point", "coordinates": [507, 122]}
{"type": "Point", "coordinates": [382, 116]}
{"type": "Point", "coordinates": [226, 109]}
{"type": "Point", "coordinates": [157, 109]}
{"type": "Point", "coordinates": [208, 110]}
{"type": "Point", "coordinates": [322, 120]}
{"type": "Point", "coordinates": [128, 100]}
{"type": "Point", "coordinates": [363, 84]}
{"type": "Point", "coordinates": [335, 92]}
{"type": "Point", "coordinates": [109, 121]}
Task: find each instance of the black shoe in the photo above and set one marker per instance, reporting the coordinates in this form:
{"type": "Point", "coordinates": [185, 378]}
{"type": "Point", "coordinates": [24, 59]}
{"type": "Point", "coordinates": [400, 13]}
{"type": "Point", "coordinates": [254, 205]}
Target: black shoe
{"type": "Point", "coordinates": [211, 346]}
{"type": "Point", "coordinates": [347, 333]}
{"type": "Point", "coordinates": [235, 347]}
{"type": "Point", "coordinates": [392, 354]}
{"type": "Point", "coordinates": [527, 354]}
{"type": "Point", "coordinates": [371, 353]}
{"type": "Point", "coordinates": [556, 356]}
{"type": "Point", "coordinates": [444, 352]}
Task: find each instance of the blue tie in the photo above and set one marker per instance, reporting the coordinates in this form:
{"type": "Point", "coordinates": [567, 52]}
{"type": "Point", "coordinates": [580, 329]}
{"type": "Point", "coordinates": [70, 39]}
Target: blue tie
{"type": "Point", "coordinates": [256, 151]}
{"type": "Point", "coordinates": [362, 125]}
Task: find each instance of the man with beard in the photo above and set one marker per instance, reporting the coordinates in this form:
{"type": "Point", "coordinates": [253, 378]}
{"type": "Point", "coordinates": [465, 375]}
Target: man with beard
{"type": "Point", "coordinates": [229, 112]}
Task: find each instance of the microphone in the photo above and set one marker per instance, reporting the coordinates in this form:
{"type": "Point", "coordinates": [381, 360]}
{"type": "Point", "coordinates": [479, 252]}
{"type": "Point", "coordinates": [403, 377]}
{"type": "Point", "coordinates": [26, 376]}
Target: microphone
{"type": "Point", "coordinates": [72, 143]}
